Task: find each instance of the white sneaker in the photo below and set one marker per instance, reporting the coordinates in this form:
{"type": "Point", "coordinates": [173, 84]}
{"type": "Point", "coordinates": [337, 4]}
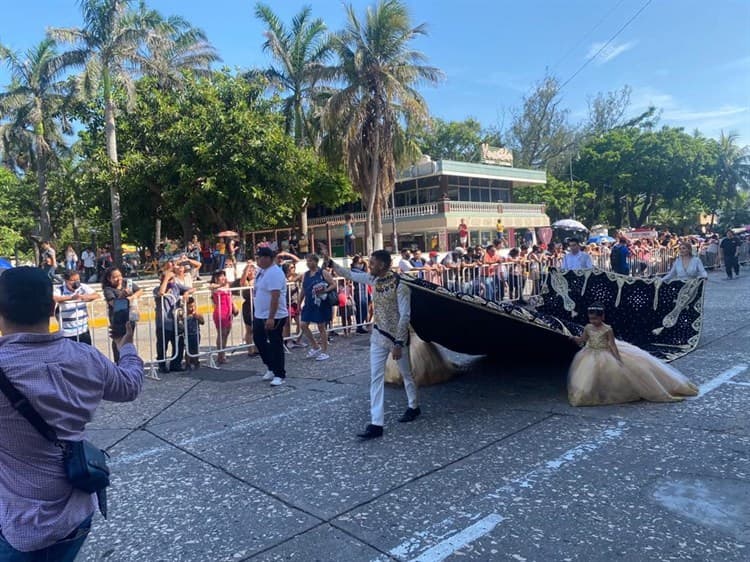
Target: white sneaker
{"type": "Point", "coordinates": [268, 376]}
{"type": "Point", "coordinates": [277, 381]}
{"type": "Point", "coordinates": [313, 352]}
{"type": "Point", "coordinates": [322, 357]}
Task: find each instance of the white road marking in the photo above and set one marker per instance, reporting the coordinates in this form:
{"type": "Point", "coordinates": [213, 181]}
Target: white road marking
{"type": "Point", "coordinates": [718, 380]}
{"type": "Point", "coordinates": [445, 547]}
{"type": "Point", "coordinates": [449, 546]}
{"type": "Point", "coordinates": [243, 424]}
{"type": "Point", "coordinates": [739, 383]}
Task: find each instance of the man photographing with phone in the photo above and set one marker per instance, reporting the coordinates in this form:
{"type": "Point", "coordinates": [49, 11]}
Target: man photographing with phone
{"type": "Point", "coordinates": [43, 516]}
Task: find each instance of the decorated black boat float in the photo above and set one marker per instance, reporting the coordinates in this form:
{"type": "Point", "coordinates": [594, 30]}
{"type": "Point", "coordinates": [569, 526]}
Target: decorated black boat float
{"type": "Point", "coordinates": [663, 318]}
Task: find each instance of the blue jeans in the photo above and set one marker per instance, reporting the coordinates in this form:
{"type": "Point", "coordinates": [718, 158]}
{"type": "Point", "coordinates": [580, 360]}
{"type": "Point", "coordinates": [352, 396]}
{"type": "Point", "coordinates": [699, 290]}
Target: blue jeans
{"type": "Point", "coordinates": [64, 550]}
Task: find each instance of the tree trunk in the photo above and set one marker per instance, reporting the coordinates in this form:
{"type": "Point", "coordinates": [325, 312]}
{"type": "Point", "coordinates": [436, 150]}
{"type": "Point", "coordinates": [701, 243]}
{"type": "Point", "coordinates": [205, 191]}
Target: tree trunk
{"type": "Point", "coordinates": [303, 221]}
{"type": "Point", "coordinates": [187, 230]}
{"type": "Point", "coordinates": [45, 228]}
{"type": "Point", "coordinates": [157, 235]}
{"type": "Point", "coordinates": [618, 210]}
{"type": "Point", "coordinates": [377, 235]}
{"type": "Point", "coordinates": [114, 189]}
{"type": "Point", "coordinates": [373, 194]}
{"type": "Point", "coordinates": [646, 210]}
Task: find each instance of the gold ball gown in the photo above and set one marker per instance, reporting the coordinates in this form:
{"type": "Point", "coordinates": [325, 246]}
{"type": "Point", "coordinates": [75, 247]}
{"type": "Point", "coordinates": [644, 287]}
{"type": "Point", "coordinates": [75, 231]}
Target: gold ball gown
{"type": "Point", "coordinates": [596, 377]}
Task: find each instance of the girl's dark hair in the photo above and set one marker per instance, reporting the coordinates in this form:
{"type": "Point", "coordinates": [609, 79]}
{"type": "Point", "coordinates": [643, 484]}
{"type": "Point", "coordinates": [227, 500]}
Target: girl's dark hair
{"type": "Point", "coordinates": [596, 309]}
{"type": "Point", "coordinates": [216, 274]}
{"type": "Point", "coordinates": [107, 274]}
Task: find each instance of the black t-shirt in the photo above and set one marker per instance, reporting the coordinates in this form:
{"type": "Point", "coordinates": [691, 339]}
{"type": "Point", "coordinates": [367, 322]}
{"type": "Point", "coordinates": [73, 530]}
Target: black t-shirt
{"type": "Point", "coordinates": [110, 294]}
{"type": "Point", "coordinates": [729, 246]}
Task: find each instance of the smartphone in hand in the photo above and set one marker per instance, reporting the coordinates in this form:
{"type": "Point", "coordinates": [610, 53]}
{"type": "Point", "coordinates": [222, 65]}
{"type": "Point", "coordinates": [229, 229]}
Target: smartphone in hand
{"type": "Point", "coordinates": [120, 317]}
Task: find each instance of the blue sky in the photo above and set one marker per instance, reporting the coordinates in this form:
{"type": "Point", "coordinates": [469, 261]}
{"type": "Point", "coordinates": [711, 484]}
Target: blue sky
{"type": "Point", "coordinates": [690, 58]}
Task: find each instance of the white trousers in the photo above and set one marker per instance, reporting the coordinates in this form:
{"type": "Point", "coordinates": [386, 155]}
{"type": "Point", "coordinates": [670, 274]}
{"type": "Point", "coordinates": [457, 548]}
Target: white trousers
{"type": "Point", "coordinates": [378, 357]}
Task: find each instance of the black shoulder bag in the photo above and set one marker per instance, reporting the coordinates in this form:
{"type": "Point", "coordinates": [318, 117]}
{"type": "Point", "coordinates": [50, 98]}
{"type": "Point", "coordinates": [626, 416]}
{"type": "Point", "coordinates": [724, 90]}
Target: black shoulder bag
{"type": "Point", "coordinates": [85, 464]}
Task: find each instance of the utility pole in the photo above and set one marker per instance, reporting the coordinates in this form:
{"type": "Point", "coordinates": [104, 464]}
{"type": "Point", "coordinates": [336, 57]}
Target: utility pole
{"type": "Point", "coordinates": [572, 190]}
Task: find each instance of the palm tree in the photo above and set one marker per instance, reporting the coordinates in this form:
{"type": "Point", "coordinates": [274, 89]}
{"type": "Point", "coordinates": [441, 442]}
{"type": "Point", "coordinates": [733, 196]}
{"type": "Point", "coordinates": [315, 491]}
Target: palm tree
{"type": "Point", "coordinates": [35, 107]}
{"type": "Point", "coordinates": [301, 53]}
{"type": "Point", "coordinates": [179, 48]}
{"type": "Point", "coordinates": [114, 44]}
{"type": "Point", "coordinates": [732, 171]}
{"type": "Point", "coordinates": [379, 72]}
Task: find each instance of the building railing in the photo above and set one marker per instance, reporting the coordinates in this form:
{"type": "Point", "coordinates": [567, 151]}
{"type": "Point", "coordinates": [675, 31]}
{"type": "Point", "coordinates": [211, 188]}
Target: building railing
{"type": "Point", "coordinates": [509, 209]}
{"type": "Point", "coordinates": [431, 209]}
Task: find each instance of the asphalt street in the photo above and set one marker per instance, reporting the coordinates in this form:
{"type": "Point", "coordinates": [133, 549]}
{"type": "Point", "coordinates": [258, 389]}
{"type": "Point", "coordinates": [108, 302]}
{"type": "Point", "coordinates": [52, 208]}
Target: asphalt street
{"type": "Point", "coordinates": [217, 465]}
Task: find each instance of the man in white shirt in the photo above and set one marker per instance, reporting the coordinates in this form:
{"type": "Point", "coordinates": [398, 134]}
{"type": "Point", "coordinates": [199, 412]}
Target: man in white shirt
{"type": "Point", "coordinates": [575, 258]}
{"type": "Point", "coordinates": [72, 298]}
{"type": "Point", "coordinates": [271, 315]}
{"type": "Point", "coordinates": [89, 263]}
{"type": "Point", "coordinates": [405, 266]}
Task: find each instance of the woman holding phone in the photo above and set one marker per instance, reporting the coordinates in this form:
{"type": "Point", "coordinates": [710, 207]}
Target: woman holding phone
{"type": "Point", "coordinates": [114, 287]}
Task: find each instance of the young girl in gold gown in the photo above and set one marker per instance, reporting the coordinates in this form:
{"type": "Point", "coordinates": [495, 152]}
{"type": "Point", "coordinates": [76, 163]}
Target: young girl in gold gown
{"type": "Point", "coordinates": [607, 371]}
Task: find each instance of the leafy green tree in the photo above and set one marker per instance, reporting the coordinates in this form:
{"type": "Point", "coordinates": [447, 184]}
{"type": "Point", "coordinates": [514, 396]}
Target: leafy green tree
{"type": "Point", "coordinates": [607, 111]}
{"type": "Point", "coordinates": [35, 106]}
{"type": "Point", "coordinates": [540, 134]}
{"type": "Point", "coordinates": [634, 172]}
{"type": "Point", "coordinates": [562, 199]}
{"type": "Point", "coordinates": [114, 45]}
{"type": "Point", "coordinates": [213, 156]}
{"type": "Point", "coordinates": [16, 214]}
{"type": "Point", "coordinates": [455, 140]}
{"type": "Point", "coordinates": [379, 71]}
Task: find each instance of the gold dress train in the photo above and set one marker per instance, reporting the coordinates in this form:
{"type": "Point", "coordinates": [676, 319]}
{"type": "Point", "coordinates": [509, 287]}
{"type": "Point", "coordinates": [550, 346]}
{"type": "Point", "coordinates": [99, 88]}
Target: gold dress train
{"type": "Point", "coordinates": [596, 378]}
{"type": "Point", "coordinates": [428, 365]}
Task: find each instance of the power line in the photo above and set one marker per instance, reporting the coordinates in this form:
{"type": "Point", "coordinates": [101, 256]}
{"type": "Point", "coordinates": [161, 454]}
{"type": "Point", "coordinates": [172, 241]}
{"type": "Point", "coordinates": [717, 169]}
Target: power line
{"type": "Point", "coordinates": [586, 35]}
{"type": "Point", "coordinates": [591, 58]}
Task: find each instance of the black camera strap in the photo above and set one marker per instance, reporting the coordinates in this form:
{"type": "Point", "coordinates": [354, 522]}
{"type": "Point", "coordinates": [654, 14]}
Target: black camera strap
{"type": "Point", "coordinates": [22, 405]}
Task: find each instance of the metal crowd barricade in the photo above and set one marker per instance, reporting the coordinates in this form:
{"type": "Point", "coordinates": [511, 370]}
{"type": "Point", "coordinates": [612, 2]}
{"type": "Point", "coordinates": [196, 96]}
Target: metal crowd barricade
{"type": "Point", "coordinates": [744, 252]}
{"type": "Point", "coordinates": [209, 344]}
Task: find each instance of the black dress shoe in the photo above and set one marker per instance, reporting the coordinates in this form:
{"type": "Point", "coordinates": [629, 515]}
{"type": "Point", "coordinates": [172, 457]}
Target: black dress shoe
{"type": "Point", "coordinates": [176, 368]}
{"type": "Point", "coordinates": [371, 432]}
{"type": "Point", "coordinates": [362, 331]}
{"type": "Point", "coordinates": [410, 415]}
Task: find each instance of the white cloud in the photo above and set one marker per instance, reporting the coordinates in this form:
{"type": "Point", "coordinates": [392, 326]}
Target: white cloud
{"type": "Point", "coordinates": [610, 52]}
{"type": "Point", "coordinates": [720, 113]}
{"type": "Point", "coordinates": [709, 121]}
